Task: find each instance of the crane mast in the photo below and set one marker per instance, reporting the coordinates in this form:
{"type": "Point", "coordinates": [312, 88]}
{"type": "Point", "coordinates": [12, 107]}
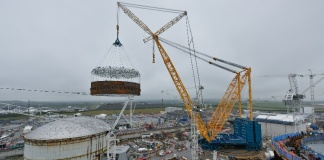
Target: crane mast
{"type": "Point", "coordinates": [182, 90]}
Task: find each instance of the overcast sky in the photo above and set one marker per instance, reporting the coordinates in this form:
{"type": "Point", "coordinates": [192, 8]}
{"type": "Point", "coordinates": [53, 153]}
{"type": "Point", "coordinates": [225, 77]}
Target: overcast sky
{"type": "Point", "coordinates": [54, 44]}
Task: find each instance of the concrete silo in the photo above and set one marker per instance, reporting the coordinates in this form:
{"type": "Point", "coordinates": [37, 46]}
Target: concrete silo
{"type": "Point", "coordinates": [69, 138]}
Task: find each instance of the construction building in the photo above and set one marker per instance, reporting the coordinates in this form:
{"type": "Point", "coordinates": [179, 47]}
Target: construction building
{"type": "Point", "coordinates": [278, 124]}
{"type": "Point", "coordinates": [171, 109]}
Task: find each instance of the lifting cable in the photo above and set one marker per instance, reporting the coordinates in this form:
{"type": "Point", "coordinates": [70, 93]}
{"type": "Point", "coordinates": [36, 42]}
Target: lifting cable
{"type": "Point", "coordinates": [191, 43]}
{"type": "Point", "coordinates": [153, 54]}
{"type": "Point", "coordinates": [132, 66]}
{"type": "Point", "coordinates": [104, 57]}
{"type": "Point", "coordinates": [129, 60]}
{"type": "Point", "coordinates": [116, 63]}
{"type": "Point", "coordinates": [151, 8]}
{"type": "Point", "coordinates": [182, 48]}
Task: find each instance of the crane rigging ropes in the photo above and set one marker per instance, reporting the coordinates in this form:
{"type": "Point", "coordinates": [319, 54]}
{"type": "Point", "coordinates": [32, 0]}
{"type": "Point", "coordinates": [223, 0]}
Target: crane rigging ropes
{"type": "Point", "coordinates": [115, 74]}
{"type": "Point", "coordinates": [119, 64]}
{"type": "Point", "coordinates": [151, 8]}
{"type": "Point", "coordinates": [185, 50]}
{"type": "Point", "coordinates": [198, 87]}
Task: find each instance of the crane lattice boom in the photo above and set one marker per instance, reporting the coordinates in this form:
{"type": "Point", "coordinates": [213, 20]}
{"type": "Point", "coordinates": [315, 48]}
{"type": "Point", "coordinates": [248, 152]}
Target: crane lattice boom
{"type": "Point", "coordinates": [232, 94]}
{"type": "Point", "coordinates": [167, 26]}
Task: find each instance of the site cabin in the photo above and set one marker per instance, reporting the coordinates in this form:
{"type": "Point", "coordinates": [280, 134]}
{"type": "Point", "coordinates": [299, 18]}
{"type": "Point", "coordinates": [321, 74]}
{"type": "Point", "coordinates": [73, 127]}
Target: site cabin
{"type": "Point", "coordinates": [146, 135]}
{"type": "Point", "coordinates": [142, 149]}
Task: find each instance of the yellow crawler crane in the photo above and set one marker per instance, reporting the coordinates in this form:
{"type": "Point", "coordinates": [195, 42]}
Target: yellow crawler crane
{"type": "Point", "coordinates": [232, 94]}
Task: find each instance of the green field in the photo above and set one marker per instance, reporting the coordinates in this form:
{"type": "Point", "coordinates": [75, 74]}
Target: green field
{"type": "Point", "coordinates": [12, 116]}
{"type": "Point", "coordinates": [263, 106]}
{"type": "Point", "coordinates": [278, 107]}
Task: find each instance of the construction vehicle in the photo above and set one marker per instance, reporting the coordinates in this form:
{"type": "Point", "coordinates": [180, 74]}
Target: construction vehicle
{"type": "Point", "coordinates": [233, 93]}
{"type": "Point", "coordinates": [148, 126]}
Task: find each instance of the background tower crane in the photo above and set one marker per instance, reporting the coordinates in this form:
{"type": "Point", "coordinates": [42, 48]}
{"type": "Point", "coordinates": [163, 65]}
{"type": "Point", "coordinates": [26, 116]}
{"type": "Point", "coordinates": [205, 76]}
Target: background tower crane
{"type": "Point", "coordinates": [294, 94]}
{"type": "Point", "coordinates": [294, 98]}
{"type": "Point", "coordinates": [312, 90]}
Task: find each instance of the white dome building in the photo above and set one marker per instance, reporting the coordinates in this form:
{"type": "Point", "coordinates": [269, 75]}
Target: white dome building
{"type": "Point", "coordinates": [69, 138]}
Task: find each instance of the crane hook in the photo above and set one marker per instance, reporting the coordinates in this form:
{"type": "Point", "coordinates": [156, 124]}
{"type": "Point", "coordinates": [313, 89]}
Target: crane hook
{"type": "Point", "coordinates": [117, 42]}
{"type": "Point", "coordinates": [153, 58]}
{"type": "Point", "coordinates": [153, 61]}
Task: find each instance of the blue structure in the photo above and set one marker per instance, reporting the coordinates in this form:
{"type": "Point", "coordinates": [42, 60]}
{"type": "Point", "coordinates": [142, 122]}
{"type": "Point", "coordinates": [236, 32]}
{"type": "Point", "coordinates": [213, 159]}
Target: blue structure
{"type": "Point", "coordinates": [246, 134]}
{"type": "Point", "coordinates": [310, 137]}
{"type": "Point", "coordinates": [314, 127]}
{"type": "Point", "coordinates": [183, 120]}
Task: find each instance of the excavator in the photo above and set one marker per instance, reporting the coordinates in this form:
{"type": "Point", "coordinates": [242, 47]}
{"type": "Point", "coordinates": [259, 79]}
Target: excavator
{"type": "Point", "coordinates": [233, 93]}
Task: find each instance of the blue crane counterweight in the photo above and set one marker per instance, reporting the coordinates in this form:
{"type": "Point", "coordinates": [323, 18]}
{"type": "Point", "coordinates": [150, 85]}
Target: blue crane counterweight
{"type": "Point", "coordinates": [246, 134]}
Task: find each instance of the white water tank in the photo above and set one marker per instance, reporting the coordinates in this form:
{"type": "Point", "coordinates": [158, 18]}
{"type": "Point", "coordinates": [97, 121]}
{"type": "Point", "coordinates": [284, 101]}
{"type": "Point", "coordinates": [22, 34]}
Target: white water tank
{"type": "Point", "coordinates": [79, 138]}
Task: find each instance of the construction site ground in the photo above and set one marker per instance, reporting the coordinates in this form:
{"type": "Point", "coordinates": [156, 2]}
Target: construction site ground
{"type": "Point", "coordinates": [240, 154]}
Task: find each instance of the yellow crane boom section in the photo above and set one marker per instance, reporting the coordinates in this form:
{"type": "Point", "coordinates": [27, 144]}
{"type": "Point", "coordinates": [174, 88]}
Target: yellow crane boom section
{"type": "Point", "coordinates": [180, 87]}
{"type": "Point", "coordinates": [229, 99]}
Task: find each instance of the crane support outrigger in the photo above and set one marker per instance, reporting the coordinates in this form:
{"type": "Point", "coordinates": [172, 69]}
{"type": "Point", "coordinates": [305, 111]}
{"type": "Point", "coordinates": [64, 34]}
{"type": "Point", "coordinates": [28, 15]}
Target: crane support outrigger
{"type": "Point", "coordinates": [232, 94]}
